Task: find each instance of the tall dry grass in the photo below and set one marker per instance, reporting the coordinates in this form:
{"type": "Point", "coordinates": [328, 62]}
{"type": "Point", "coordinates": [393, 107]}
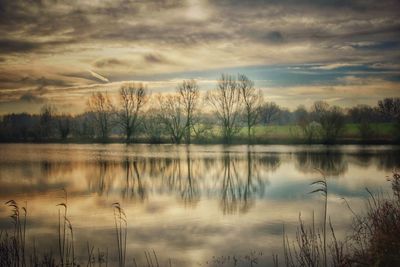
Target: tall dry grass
{"type": "Point", "coordinates": [374, 241]}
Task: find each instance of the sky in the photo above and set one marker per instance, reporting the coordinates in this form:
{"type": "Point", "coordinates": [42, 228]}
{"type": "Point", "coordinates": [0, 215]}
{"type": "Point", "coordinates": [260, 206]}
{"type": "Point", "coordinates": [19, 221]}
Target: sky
{"type": "Point", "coordinates": [345, 52]}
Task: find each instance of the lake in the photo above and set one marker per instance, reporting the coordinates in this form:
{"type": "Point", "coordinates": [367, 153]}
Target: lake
{"type": "Point", "coordinates": [196, 205]}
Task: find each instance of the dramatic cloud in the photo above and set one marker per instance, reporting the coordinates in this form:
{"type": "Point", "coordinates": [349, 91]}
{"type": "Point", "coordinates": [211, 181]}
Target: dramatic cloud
{"type": "Point", "coordinates": [289, 43]}
{"type": "Point", "coordinates": [109, 62]}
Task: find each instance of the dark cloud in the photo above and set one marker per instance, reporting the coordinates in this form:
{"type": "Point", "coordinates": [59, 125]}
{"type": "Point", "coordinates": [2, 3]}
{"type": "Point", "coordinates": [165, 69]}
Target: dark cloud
{"type": "Point", "coordinates": [274, 37]}
{"type": "Point", "coordinates": [388, 45]}
{"type": "Point", "coordinates": [43, 82]}
{"type": "Point", "coordinates": [357, 5]}
{"type": "Point", "coordinates": [124, 21]}
{"type": "Point", "coordinates": [105, 36]}
{"type": "Point", "coordinates": [31, 97]}
{"type": "Point", "coordinates": [155, 58]}
{"type": "Point", "coordinates": [10, 46]}
{"type": "Point", "coordinates": [109, 62]}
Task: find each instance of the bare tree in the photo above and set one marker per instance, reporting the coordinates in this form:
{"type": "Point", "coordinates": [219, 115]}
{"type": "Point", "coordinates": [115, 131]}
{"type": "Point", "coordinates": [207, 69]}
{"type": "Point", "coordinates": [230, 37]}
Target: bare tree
{"type": "Point", "coordinates": [132, 98]}
{"type": "Point", "coordinates": [270, 112]}
{"type": "Point", "coordinates": [101, 107]}
{"type": "Point", "coordinates": [172, 116]}
{"type": "Point", "coordinates": [189, 94]}
{"type": "Point", "coordinates": [153, 125]}
{"type": "Point", "coordinates": [64, 125]}
{"type": "Point", "coordinates": [47, 113]}
{"type": "Point", "coordinates": [309, 127]}
{"type": "Point", "coordinates": [226, 101]}
{"type": "Point", "coordinates": [252, 100]}
{"type": "Point", "coordinates": [318, 109]}
{"type": "Point", "coordinates": [363, 114]}
{"type": "Point", "coordinates": [331, 119]}
{"type": "Point", "coordinates": [390, 107]}
{"type": "Point", "coordinates": [82, 126]}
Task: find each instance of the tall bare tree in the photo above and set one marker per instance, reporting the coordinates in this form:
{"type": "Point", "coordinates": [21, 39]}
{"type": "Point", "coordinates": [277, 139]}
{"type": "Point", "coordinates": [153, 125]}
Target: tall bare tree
{"type": "Point", "coordinates": [101, 107]}
{"type": "Point", "coordinates": [226, 101]}
{"type": "Point", "coordinates": [189, 94]}
{"type": "Point", "coordinates": [132, 97]}
{"type": "Point", "coordinates": [252, 100]}
{"type": "Point", "coordinates": [173, 117]}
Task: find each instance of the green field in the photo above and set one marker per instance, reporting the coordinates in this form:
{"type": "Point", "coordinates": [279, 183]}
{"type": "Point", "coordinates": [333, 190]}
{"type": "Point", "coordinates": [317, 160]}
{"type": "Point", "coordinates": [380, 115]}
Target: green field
{"type": "Point", "coordinates": [294, 134]}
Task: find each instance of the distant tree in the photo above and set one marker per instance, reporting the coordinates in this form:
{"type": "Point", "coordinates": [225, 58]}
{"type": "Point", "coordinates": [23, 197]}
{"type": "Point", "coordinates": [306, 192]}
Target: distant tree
{"type": "Point", "coordinates": [188, 92]}
{"type": "Point", "coordinates": [202, 127]}
{"type": "Point", "coordinates": [64, 125]}
{"type": "Point", "coordinates": [390, 107]}
{"type": "Point", "coordinates": [132, 98]}
{"type": "Point", "coordinates": [363, 115]}
{"type": "Point", "coordinates": [227, 104]}
{"type": "Point", "coordinates": [309, 128]}
{"type": "Point", "coordinates": [101, 108]}
{"type": "Point", "coordinates": [83, 126]}
{"type": "Point", "coordinates": [331, 119]}
{"type": "Point", "coordinates": [173, 116]}
{"type": "Point", "coordinates": [301, 114]}
{"type": "Point", "coordinates": [153, 125]}
{"type": "Point", "coordinates": [47, 113]}
{"type": "Point", "coordinates": [252, 100]}
{"type": "Point", "coordinates": [270, 112]}
{"type": "Point", "coordinates": [320, 107]}
{"type": "Point", "coordinates": [284, 117]}
{"type": "Point", "coordinates": [19, 126]}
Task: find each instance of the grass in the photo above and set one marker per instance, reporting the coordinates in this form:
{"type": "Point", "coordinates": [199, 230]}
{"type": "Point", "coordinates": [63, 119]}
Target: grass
{"type": "Point", "coordinates": [12, 245]}
{"type": "Point", "coordinates": [383, 130]}
{"type": "Point", "coordinates": [292, 134]}
{"type": "Point", "coordinates": [374, 241]}
{"type": "Point", "coordinates": [379, 133]}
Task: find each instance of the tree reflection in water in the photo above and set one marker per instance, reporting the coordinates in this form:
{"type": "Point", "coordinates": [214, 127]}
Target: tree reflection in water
{"type": "Point", "coordinates": [180, 178]}
{"type": "Point", "coordinates": [330, 163]}
{"type": "Point", "coordinates": [135, 188]}
{"type": "Point", "coordinates": [236, 179]}
{"type": "Point", "coordinates": [240, 188]}
{"type": "Point", "coordinates": [101, 180]}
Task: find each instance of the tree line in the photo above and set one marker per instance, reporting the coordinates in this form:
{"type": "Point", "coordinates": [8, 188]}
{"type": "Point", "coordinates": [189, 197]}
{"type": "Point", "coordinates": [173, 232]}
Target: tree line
{"type": "Point", "coordinates": [234, 105]}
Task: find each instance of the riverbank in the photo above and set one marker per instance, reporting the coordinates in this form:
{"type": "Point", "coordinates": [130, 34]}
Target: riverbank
{"type": "Point", "coordinates": [382, 133]}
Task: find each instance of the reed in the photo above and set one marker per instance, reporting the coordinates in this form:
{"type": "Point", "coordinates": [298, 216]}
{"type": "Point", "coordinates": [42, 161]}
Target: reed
{"type": "Point", "coordinates": [310, 247]}
{"type": "Point", "coordinates": [65, 235]}
{"type": "Point", "coordinates": [12, 247]}
{"type": "Point", "coordinates": [323, 189]}
{"type": "Point", "coordinates": [121, 232]}
{"type": "Point", "coordinates": [375, 238]}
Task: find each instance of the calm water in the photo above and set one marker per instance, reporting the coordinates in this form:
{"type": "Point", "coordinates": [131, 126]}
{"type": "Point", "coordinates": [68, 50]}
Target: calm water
{"type": "Point", "coordinates": [187, 203]}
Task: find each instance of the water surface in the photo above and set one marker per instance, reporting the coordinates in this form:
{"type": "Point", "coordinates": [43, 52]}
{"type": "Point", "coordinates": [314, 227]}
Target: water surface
{"type": "Point", "coordinates": [187, 203]}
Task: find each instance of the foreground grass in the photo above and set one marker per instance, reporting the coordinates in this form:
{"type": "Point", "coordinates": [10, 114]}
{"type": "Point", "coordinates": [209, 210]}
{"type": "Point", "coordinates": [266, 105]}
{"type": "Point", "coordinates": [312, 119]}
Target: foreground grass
{"type": "Point", "coordinates": [374, 241]}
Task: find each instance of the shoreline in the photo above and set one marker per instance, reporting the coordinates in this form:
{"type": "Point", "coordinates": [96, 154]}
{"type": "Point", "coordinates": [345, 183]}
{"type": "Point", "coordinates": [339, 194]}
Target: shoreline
{"type": "Point", "coordinates": [209, 142]}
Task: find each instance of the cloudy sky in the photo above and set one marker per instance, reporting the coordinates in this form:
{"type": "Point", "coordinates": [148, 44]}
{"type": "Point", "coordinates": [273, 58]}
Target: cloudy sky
{"type": "Point", "coordinates": [297, 51]}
